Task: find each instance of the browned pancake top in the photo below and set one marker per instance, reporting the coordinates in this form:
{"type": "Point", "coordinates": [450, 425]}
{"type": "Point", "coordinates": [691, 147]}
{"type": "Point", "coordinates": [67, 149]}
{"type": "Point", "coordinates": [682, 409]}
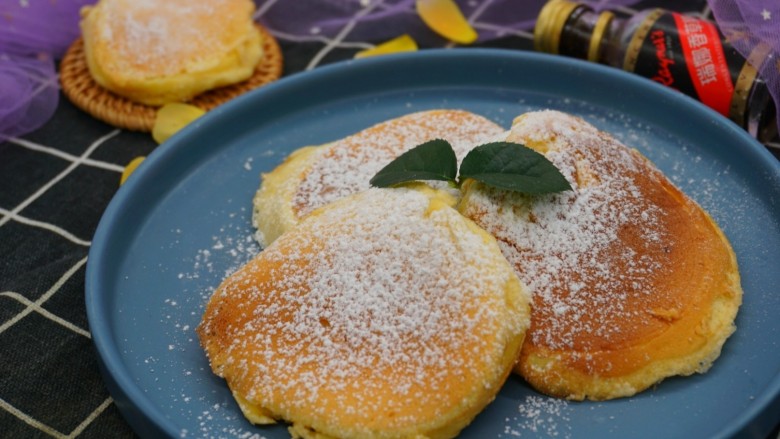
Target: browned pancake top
{"type": "Point", "coordinates": [385, 311]}
{"type": "Point", "coordinates": [624, 269]}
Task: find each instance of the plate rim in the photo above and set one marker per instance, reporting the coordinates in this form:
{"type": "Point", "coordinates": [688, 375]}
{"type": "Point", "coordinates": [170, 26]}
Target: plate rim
{"type": "Point", "coordinates": [131, 401]}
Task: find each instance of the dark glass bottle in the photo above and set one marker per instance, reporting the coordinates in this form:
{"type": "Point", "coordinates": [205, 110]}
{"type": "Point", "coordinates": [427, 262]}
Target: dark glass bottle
{"type": "Point", "coordinates": [685, 53]}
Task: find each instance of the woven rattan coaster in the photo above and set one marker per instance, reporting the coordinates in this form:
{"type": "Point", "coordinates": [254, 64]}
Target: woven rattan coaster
{"type": "Point", "coordinates": [85, 93]}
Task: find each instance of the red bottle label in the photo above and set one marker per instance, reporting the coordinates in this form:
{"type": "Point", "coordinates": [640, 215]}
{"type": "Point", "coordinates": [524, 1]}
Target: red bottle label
{"type": "Point", "coordinates": [688, 54]}
{"type": "Point", "coordinates": [706, 62]}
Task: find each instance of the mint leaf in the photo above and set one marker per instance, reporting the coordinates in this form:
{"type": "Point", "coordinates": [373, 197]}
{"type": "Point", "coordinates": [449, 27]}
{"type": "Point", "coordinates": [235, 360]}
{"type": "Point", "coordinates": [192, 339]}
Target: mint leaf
{"type": "Point", "coordinates": [433, 160]}
{"type": "Point", "coordinates": [514, 167]}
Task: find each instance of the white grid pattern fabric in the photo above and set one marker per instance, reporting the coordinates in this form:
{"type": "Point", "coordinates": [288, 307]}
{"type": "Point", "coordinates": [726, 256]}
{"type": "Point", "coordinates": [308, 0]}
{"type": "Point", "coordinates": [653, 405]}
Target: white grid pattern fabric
{"type": "Point", "coordinates": [54, 185]}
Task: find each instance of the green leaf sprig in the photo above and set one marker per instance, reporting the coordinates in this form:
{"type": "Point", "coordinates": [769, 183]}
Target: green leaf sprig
{"type": "Point", "coordinates": [503, 165]}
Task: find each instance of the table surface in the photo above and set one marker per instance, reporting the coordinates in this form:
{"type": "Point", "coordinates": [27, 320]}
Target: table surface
{"type": "Point", "coordinates": [54, 185]}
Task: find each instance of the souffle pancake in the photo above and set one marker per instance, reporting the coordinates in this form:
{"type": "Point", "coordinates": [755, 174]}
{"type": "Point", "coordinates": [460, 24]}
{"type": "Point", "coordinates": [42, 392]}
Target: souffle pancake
{"type": "Point", "coordinates": [385, 314]}
{"type": "Point", "coordinates": [632, 281]}
{"type": "Point", "coordinates": [314, 176]}
{"type": "Point", "coordinates": [157, 52]}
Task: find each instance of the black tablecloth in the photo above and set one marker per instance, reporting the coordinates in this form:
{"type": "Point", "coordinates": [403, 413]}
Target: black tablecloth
{"type": "Point", "coordinates": [54, 185]}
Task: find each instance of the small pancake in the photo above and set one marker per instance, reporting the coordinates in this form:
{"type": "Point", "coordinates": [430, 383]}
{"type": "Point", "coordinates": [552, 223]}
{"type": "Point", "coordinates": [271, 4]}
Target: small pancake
{"type": "Point", "coordinates": [632, 281]}
{"type": "Point", "coordinates": [314, 176]}
{"type": "Point", "coordinates": [154, 52]}
{"type": "Point", "coordinates": [80, 88]}
{"type": "Point", "coordinates": [384, 314]}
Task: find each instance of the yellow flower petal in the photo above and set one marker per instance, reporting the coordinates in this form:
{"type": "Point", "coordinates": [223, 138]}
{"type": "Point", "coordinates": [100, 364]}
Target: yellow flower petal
{"type": "Point", "coordinates": [130, 168]}
{"type": "Point", "coordinates": [404, 43]}
{"type": "Point", "coordinates": [173, 117]}
{"type": "Point", "coordinates": [446, 19]}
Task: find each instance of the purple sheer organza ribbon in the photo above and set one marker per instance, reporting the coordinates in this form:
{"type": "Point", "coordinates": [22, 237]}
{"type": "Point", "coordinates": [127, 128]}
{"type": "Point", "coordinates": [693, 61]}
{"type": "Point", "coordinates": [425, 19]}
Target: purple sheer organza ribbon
{"type": "Point", "coordinates": [33, 33]}
{"type": "Point", "coordinates": [28, 93]}
{"type": "Point", "coordinates": [753, 28]}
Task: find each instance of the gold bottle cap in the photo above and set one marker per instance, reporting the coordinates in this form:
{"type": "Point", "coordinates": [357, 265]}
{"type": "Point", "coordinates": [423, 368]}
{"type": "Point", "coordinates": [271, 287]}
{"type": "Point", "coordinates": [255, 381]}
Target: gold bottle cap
{"type": "Point", "coordinates": [549, 24]}
{"type": "Point", "coordinates": [602, 24]}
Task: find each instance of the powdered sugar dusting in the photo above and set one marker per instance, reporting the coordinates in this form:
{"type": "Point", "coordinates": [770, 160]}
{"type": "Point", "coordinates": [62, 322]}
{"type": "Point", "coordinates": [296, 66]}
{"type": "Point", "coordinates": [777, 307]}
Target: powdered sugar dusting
{"type": "Point", "coordinates": [539, 416]}
{"type": "Point", "coordinates": [228, 248]}
{"type": "Point", "coordinates": [572, 249]}
{"type": "Point", "coordinates": [346, 166]}
{"type": "Point", "coordinates": [228, 245]}
{"type": "Point", "coordinates": [383, 312]}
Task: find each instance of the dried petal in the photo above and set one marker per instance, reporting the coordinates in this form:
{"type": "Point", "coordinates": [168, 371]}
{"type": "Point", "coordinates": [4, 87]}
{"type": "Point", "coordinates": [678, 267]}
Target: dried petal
{"type": "Point", "coordinates": [404, 43]}
{"type": "Point", "coordinates": [130, 168]}
{"type": "Point", "coordinates": [173, 117]}
{"type": "Point", "coordinates": [446, 19]}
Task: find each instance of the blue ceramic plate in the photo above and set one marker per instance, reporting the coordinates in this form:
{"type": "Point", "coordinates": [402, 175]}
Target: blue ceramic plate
{"type": "Point", "coordinates": [182, 222]}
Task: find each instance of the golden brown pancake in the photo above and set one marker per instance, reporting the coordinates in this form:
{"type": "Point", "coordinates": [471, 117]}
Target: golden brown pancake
{"type": "Point", "coordinates": [313, 176]}
{"type": "Point", "coordinates": [632, 281]}
{"type": "Point", "coordinates": [384, 314]}
{"type": "Point", "coordinates": [157, 52]}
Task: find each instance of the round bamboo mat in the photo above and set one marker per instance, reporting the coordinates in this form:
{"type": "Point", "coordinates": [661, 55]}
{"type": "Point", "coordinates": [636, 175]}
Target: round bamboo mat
{"type": "Point", "coordinates": [78, 85]}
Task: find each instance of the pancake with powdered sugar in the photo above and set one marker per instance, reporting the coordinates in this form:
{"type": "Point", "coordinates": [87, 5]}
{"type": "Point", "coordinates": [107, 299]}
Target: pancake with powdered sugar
{"type": "Point", "coordinates": [383, 314]}
{"type": "Point", "coordinates": [157, 52]}
{"type": "Point", "coordinates": [632, 281]}
{"type": "Point", "coordinates": [313, 176]}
